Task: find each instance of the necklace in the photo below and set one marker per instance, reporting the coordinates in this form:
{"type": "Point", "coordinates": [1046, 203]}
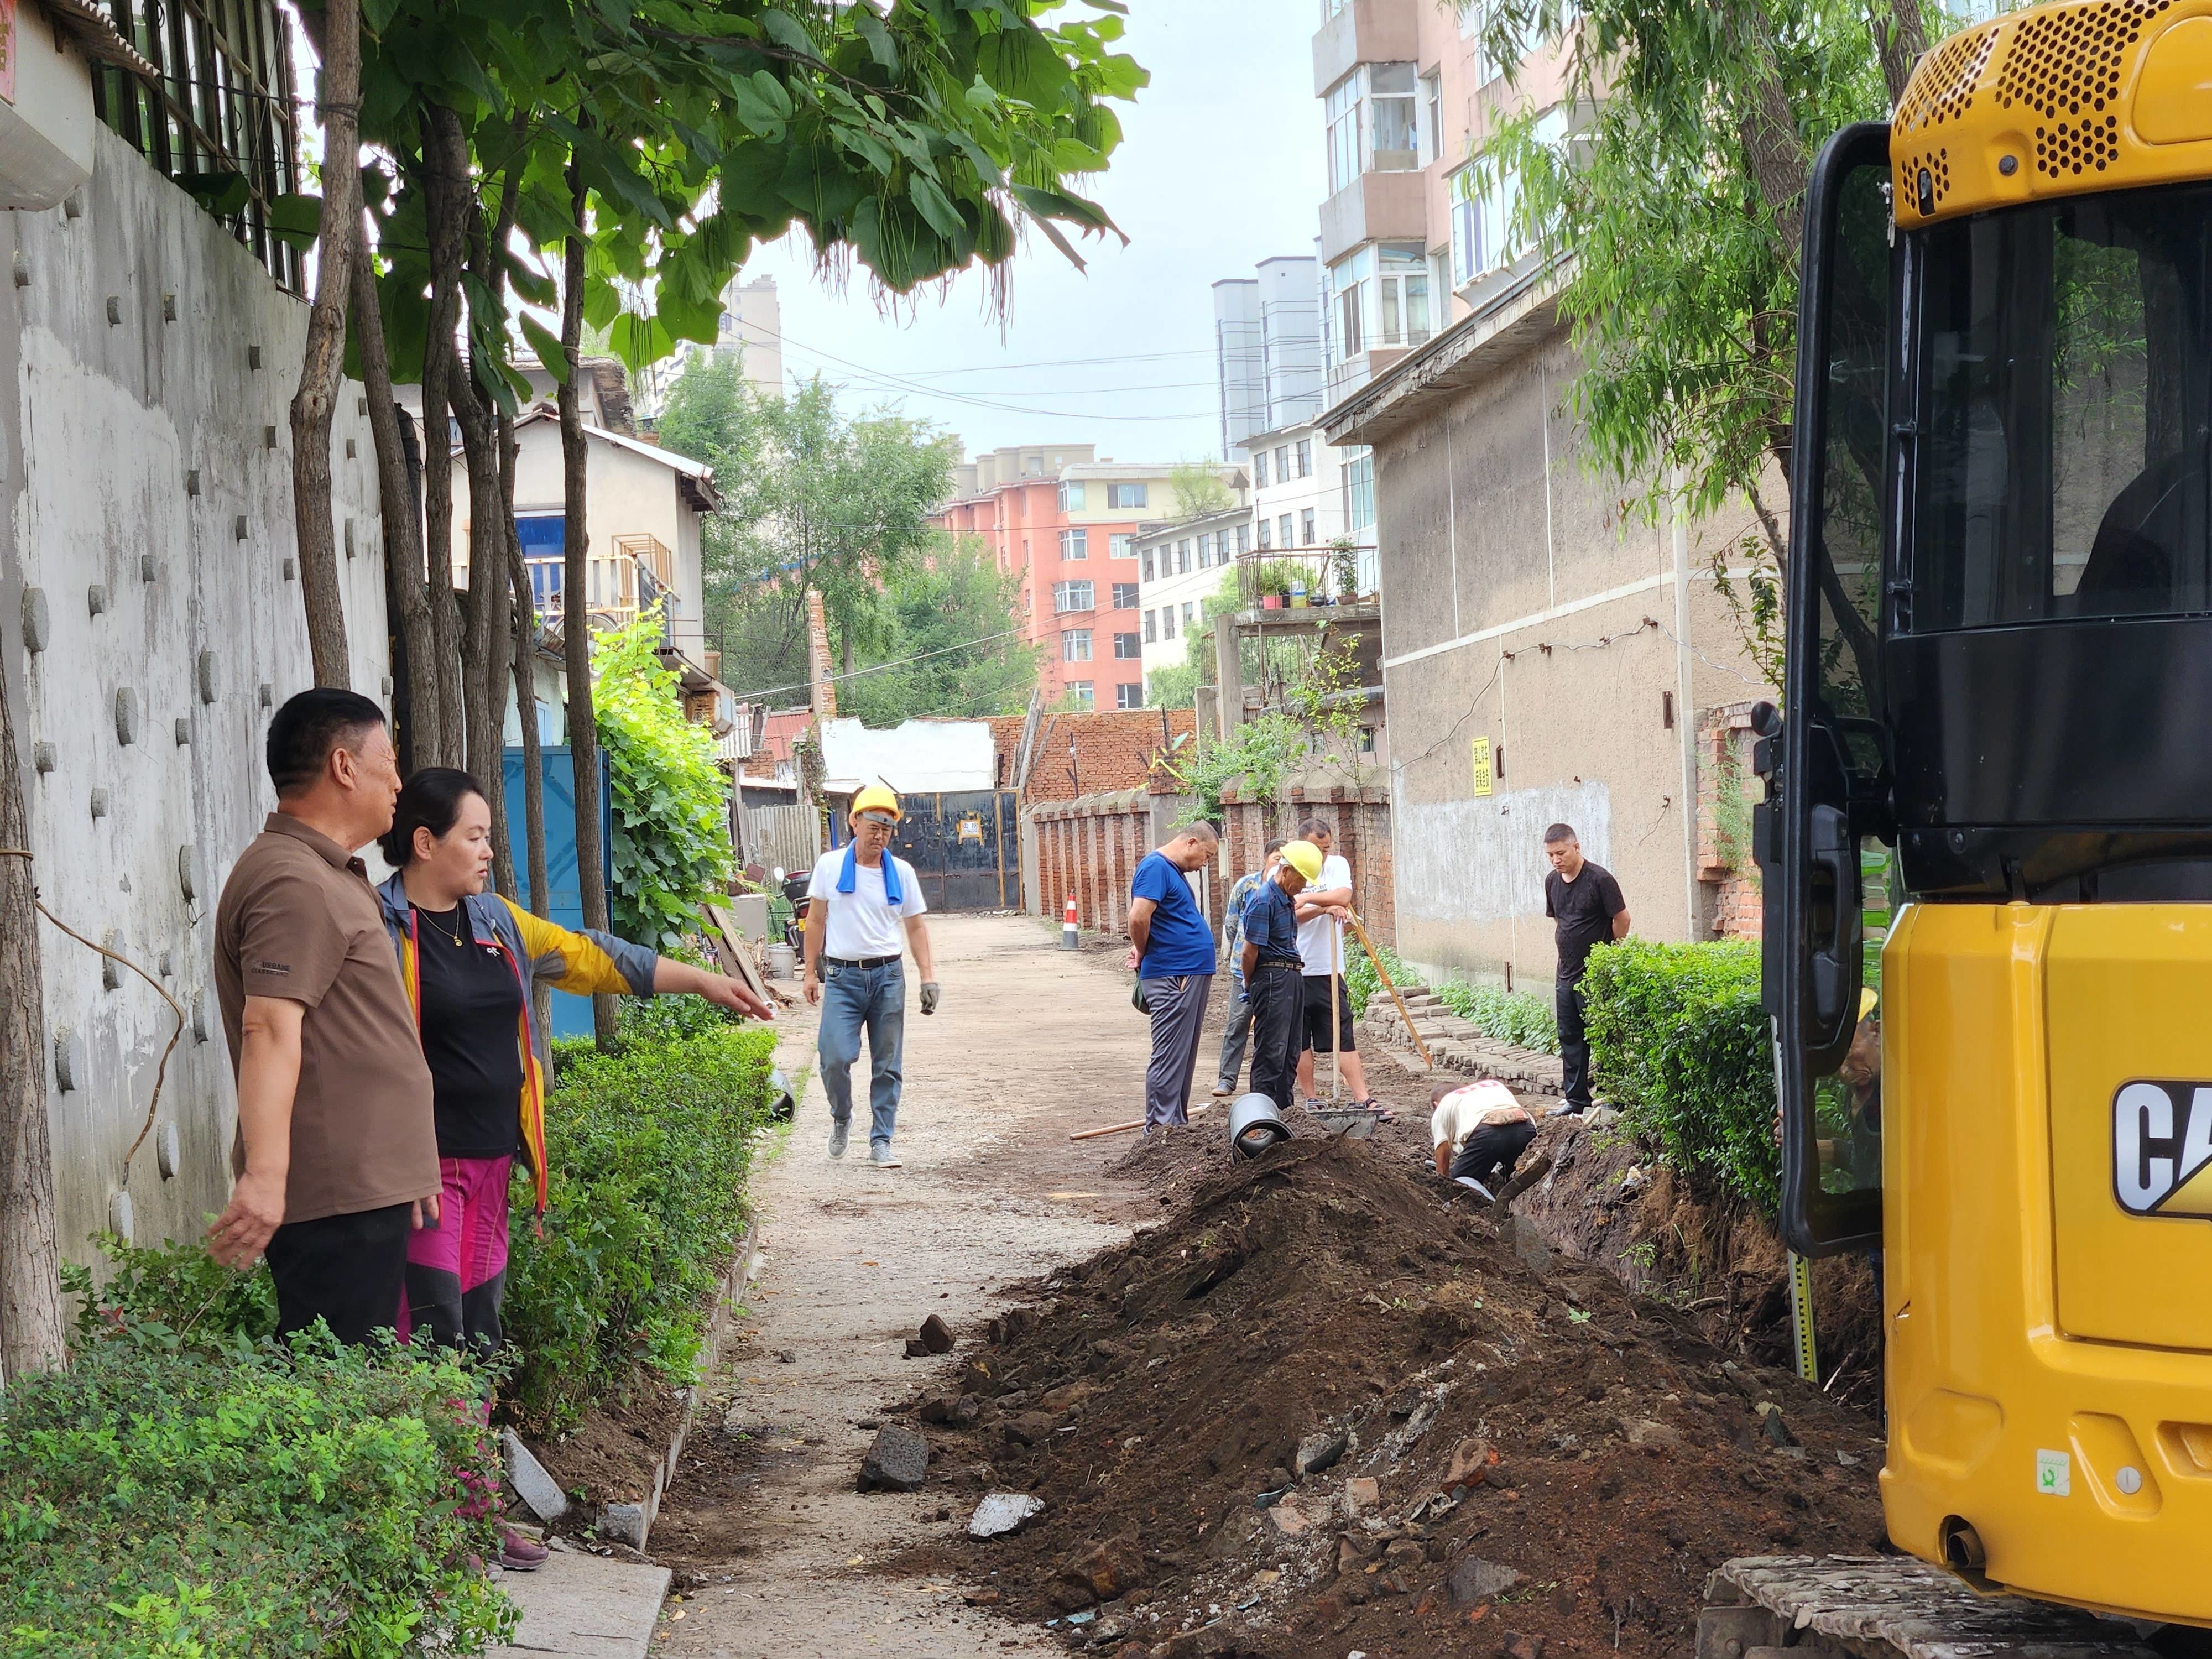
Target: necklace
{"type": "Point", "coordinates": [459, 942]}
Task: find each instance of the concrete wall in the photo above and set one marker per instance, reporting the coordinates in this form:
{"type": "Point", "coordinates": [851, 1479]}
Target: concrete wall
{"type": "Point", "coordinates": [112, 427]}
{"type": "Point", "coordinates": [1521, 606]}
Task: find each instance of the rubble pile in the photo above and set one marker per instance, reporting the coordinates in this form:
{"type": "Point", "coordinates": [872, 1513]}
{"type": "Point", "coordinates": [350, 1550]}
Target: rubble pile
{"type": "Point", "coordinates": [1314, 1411]}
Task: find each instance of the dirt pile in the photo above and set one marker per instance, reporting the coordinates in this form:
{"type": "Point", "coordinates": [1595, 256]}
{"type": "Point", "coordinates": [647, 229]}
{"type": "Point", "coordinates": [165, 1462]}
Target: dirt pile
{"type": "Point", "coordinates": [1315, 1410]}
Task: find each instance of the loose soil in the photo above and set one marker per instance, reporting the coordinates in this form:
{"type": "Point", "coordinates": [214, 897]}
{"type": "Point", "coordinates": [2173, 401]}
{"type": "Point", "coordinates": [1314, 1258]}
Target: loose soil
{"type": "Point", "coordinates": [1155, 1390]}
{"type": "Point", "coordinates": [1512, 1406]}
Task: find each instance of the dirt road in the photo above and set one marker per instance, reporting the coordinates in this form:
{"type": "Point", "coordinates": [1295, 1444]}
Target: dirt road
{"type": "Point", "coordinates": [773, 1547]}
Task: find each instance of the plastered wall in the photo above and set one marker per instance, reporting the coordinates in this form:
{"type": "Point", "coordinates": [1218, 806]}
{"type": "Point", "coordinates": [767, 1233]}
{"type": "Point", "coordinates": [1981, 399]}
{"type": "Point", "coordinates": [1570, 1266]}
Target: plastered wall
{"type": "Point", "coordinates": [151, 609]}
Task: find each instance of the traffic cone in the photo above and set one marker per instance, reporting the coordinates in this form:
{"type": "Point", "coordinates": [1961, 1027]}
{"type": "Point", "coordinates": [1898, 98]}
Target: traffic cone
{"type": "Point", "coordinates": [1070, 932]}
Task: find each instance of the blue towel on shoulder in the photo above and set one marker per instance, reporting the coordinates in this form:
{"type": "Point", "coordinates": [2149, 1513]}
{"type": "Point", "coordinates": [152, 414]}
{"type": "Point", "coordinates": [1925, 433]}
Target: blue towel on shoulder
{"type": "Point", "coordinates": [893, 894]}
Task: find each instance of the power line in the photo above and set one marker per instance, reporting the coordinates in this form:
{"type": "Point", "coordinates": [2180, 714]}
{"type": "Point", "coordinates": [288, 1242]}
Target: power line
{"type": "Point", "coordinates": [857, 673]}
{"type": "Point", "coordinates": [888, 382]}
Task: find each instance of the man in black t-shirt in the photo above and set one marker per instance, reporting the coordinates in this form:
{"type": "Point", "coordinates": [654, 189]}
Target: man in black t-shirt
{"type": "Point", "coordinates": [1585, 901]}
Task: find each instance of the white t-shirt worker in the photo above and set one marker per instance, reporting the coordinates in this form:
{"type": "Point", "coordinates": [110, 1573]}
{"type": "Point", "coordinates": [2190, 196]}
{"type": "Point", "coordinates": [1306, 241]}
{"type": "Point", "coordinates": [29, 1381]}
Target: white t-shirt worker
{"type": "Point", "coordinates": [864, 924]}
{"type": "Point", "coordinates": [1321, 941]}
{"type": "Point", "coordinates": [864, 907]}
{"type": "Point", "coordinates": [1480, 1131]}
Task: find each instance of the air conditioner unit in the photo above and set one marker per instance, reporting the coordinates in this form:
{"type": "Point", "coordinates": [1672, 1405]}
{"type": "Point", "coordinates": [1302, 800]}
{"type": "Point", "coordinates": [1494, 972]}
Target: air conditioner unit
{"type": "Point", "coordinates": [46, 98]}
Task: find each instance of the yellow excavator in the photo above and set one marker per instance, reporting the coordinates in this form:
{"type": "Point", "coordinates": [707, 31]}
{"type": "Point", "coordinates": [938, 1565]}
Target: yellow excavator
{"type": "Point", "coordinates": [1989, 794]}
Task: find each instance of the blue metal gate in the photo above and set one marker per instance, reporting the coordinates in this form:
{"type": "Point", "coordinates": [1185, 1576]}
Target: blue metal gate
{"type": "Point", "coordinates": [572, 1015]}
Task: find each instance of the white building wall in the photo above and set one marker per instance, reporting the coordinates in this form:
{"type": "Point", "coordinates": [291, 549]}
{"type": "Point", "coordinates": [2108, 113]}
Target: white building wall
{"type": "Point", "coordinates": [914, 757]}
{"type": "Point", "coordinates": [1170, 590]}
{"type": "Point", "coordinates": [150, 458]}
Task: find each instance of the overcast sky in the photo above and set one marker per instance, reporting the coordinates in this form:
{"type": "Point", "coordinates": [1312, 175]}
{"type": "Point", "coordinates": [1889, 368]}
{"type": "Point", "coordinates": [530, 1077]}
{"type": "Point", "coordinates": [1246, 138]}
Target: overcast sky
{"type": "Point", "coordinates": [1221, 166]}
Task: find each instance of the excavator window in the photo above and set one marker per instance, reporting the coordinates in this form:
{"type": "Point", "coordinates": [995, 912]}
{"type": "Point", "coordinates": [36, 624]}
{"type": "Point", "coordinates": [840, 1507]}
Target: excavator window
{"type": "Point", "coordinates": [2063, 467]}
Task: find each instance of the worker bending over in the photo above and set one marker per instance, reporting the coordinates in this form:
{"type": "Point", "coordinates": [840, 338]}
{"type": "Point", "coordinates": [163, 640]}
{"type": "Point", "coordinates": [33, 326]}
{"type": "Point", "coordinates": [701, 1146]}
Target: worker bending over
{"type": "Point", "coordinates": [1273, 972]}
{"type": "Point", "coordinates": [1480, 1131]}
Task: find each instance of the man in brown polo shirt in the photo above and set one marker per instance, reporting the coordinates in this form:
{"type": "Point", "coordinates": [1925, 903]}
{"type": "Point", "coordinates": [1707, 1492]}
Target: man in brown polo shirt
{"type": "Point", "coordinates": [337, 1154]}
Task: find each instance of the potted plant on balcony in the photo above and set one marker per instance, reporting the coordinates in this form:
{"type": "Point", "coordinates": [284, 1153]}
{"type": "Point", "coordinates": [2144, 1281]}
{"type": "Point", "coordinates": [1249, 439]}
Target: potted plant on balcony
{"type": "Point", "coordinates": [1344, 568]}
{"type": "Point", "coordinates": [1273, 583]}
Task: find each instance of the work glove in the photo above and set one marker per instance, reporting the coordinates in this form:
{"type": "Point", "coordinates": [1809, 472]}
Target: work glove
{"type": "Point", "coordinates": [929, 994]}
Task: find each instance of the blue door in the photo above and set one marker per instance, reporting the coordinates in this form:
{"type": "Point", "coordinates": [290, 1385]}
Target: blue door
{"type": "Point", "coordinates": [572, 1015]}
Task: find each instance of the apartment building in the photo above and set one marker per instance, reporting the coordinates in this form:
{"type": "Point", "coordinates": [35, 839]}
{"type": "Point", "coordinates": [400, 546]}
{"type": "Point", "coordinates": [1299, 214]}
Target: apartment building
{"type": "Point", "coordinates": [1411, 240]}
{"type": "Point", "coordinates": [1179, 567]}
{"type": "Point", "coordinates": [1065, 521]}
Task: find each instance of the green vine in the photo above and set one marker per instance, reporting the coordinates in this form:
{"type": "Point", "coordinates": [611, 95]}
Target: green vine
{"type": "Point", "coordinates": [671, 841]}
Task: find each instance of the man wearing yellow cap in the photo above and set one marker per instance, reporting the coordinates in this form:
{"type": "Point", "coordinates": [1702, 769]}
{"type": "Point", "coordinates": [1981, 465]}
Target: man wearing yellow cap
{"type": "Point", "coordinates": [1274, 973]}
{"type": "Point", "coordinates": [862, 899]}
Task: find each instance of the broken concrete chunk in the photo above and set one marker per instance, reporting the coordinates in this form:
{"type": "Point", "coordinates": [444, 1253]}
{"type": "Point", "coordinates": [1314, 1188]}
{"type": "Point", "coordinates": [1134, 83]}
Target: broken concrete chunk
{"type": "Point", "coordinates": [1003, 1512]}
{"type": "Point", "coordinates": [916, 1348]}
{"type": "Point", "coordinates": [1288, 1520]}
{"type": "Point", "coordinates": [1319, 1452]}
{"type": "Point", "coordinates": [1362, 1494]}
{"type": "Point", "coordinates": [1649, 1431]}
{"type": "Point", "coordinates": [936, 1335]}
{"type": "Point", "coordinates": [1476, 1580]}
{"type": "Point", "coordinates": [538, 1490]}
{"type": "Point", "coordinates": [897, 1461]}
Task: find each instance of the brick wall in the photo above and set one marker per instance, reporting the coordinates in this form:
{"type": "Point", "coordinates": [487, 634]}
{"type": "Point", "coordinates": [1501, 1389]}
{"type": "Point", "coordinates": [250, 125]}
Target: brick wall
{"type": "Point", "coordinates": [1091, 846]}
{"type": "Point", "coordinates": [1732, 906]}
{"type": "Point", "coordinates": [1359, 821]}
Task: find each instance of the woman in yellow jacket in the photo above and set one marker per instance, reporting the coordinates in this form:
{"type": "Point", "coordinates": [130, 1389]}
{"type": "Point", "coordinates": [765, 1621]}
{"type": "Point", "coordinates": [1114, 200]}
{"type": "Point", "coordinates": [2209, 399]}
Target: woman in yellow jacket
{"type": "Point", "coordinates": [469, 958]}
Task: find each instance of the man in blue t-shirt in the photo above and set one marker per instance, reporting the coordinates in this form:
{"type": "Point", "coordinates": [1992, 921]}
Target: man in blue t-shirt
{"type": "Point", "coordinates": [1171, 948]}
{"type": "Point", "coordinates": [1236, 1029]}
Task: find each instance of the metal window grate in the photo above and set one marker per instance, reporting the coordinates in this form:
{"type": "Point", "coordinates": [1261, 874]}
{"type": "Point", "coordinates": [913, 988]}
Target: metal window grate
{"type": "Point", "coordinates": [217, 113]}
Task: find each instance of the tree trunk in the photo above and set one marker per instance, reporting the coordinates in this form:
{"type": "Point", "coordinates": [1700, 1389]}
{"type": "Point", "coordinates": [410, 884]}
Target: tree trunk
{"type": "Point", "coordinates": [323, 363]}
{"type": "Point", "coordinates": [30, 1325]}
{"type": "Point", "coordinates": [1900, 36]}
{"type": "Point", "coordinates": [402, 527]}
{"type": "Point", "coordinates": [576, 616]}
{"type": "Point", "coordinates": [443, 185]}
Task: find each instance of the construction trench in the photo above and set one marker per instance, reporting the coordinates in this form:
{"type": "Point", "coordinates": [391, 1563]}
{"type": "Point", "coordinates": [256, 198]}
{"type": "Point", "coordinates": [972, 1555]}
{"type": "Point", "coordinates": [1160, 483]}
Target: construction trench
{"type": "Point", "coordinates": [1317, 1403]}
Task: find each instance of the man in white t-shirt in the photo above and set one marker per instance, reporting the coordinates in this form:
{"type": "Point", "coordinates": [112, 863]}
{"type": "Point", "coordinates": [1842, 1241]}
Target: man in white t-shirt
{"type": "Point", "coordinates": [1480, 1131]}
{"type": "Point", "coordinates": [1322, 910]}
{"type": "Point", "coordinates": [864, 907]}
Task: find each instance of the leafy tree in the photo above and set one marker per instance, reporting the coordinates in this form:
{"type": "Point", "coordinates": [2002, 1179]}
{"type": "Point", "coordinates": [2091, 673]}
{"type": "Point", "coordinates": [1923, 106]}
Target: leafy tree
{"type": "Point", "coordinates": [1175, 686]}
{"type": "Point", "coordinates": [1198, 489]}
{"type": "Point", "coordinates": [1675, 213]}
{"type": "Point", "coordinates": [955, 638]}
{"type": "Point", "coordinates": [813, 498]}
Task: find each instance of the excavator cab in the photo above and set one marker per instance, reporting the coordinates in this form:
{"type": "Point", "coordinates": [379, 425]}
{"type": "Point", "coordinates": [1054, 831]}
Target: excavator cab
{"type": "Point", "coordinates": [1986, 843]}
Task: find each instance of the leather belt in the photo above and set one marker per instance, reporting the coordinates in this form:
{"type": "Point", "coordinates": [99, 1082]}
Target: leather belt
{"type": "Point", "coordinates": [859, 961]}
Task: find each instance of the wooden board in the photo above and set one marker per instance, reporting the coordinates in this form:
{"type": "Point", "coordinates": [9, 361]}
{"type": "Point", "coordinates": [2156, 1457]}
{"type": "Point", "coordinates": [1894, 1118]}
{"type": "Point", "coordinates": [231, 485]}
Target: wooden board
{"type": "Point", "coordinates": [732, 950]}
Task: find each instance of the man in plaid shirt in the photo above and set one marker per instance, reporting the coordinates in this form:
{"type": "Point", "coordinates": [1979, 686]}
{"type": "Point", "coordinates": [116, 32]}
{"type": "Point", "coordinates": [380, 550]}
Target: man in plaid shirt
{"type": "Point", "coordinates": [1238, 1030]}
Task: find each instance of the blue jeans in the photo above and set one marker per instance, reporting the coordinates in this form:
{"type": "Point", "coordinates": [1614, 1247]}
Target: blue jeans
{"type": "Point", "coordinates": [852, 998]}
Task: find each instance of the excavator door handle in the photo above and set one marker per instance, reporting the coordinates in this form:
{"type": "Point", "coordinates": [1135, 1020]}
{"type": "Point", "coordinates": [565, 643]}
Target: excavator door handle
{"type": "Point", "coordinates": [1835, 920]}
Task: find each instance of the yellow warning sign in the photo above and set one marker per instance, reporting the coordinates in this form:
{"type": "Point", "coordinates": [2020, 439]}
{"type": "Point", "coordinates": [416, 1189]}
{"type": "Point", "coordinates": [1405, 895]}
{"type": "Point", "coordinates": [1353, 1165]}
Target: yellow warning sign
{"type": "Point", "coordinates": [1482, 766]}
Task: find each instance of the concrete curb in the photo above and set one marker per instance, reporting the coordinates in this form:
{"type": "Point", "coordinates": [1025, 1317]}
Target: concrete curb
{"type": "Point", "coordinates": [632, 1523]}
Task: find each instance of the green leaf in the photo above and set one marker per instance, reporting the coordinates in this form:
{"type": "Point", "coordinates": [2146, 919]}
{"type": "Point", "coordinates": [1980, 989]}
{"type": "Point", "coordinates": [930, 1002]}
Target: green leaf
{"type": "Point", "coordinates": [547, 346]}
{"type": "Point", "coordinates": [943, 218]}
{"type": "Point", "coordinates": [221, 193]}
{"type": "Point", "coordinates": [297, 219]}
{"type": "Point", "coordinates": [880, 45]}
{"type": "Point", "coordinates": [788, 32]}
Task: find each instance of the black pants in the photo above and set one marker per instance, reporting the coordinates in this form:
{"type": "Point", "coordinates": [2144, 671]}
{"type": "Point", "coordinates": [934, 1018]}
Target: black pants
{"type": "Point", "coordinates": [348, 1270]}
{"type": "Point", "coordinates": [1493, 1150]}
{"type": "Point", "coordinates": [1277, 993]}
{"type": "Point", "coordinates": [1574, 1045]}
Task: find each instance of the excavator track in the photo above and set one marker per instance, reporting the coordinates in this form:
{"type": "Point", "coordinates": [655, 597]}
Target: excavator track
{"type": "Point", "coordinates": [1874, 1606]}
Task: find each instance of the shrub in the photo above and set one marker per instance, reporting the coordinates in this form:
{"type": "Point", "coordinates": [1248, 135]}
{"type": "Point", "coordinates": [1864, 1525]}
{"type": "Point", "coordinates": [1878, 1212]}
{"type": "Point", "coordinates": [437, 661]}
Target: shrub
{"type": "Point", "coordinates": [1681, 1044]}
{"type": "Point", "coordinates": [649, 1149]}
{"type": "Point", "coordinates": [178, 1286]}
{"type": "Point", "coordinates": [671, 841]}
{"type": "Point", "coordinates": [187, 1497]}
{"type": "Point", "coordinates": [671, 1019]}
{"type": "Point", "coordinates": [1513, 1017]}
{"type": "Point", "coordinates": [1520, 1017]}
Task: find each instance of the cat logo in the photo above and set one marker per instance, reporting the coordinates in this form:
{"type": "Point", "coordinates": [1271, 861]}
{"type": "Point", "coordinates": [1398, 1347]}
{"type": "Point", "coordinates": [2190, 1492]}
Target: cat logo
{"type": "Point", "coordinates": [2162, 1148]}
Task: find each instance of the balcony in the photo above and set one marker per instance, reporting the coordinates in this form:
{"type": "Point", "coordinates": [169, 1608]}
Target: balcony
{"type": "Point", "coordinates": [1302, 582]}
{"type": "Point", "coordinates": [1364, 32]}
{"type": "Point", "coordinates": [637, 574]}
{"type": "Point", "coordinates": [1376, 207]}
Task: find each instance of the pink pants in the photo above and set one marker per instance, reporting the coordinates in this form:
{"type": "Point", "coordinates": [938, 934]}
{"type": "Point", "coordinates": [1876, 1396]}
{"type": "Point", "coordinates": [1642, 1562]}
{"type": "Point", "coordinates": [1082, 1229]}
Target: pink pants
{"type": "Point", "coordinates": [457, 1270]}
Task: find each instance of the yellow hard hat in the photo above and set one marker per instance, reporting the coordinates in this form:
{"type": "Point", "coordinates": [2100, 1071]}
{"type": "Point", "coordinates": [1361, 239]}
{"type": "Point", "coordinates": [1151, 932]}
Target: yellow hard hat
{"type": "Point", "coordinates": [1869, 997]}
{"type": "Point", "coordinates": [876, 798]}
{"type": "Point", "coordinates": [1304, 857]}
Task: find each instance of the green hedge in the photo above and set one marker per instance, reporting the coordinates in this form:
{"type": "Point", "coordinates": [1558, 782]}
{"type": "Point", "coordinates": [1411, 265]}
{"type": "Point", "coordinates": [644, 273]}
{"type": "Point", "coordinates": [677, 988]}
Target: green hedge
{"type": "Point", "coordinates": [649, 1152]}
{"type": "Point", "coordinates": [1679, 1043]}
{"type": "Point", "coordinates": [1514, 1017]}
{"type": "Point", "coordinates": [187, 1492]}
